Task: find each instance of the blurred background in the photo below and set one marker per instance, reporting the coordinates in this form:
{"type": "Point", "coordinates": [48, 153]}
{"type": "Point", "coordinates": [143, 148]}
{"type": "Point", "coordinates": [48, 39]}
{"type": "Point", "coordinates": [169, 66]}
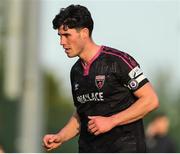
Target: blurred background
{"type": "Point", "coordinates": [35, 92]}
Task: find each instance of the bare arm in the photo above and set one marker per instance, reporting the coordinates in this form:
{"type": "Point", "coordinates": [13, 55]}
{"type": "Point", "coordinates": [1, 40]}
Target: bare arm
{"type": "Point", "coordinates": [71, 129]}
{"type": "Point", "coordinates": [147, 101]}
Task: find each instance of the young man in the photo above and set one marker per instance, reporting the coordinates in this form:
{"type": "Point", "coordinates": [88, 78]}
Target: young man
{"type": "Point", "coordinates": [110, 92]}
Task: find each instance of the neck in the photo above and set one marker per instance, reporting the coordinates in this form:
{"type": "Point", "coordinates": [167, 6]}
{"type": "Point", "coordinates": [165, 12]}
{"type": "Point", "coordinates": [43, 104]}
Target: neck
{"type": "Point", "coordinates": [89, 51]}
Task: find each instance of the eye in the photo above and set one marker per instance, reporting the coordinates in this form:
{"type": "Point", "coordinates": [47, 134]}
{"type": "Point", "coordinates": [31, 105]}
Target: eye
{"type": "Point", "coordinates": [66, 35]}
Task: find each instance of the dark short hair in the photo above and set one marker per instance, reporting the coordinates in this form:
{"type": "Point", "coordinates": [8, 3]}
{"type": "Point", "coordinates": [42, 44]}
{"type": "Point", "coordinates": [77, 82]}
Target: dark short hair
{"type": "Point", "coordinates": [74, 16]}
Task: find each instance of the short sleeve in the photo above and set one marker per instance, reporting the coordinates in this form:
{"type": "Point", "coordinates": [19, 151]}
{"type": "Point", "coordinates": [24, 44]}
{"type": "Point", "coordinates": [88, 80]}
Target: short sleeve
{"type": "Point", "coordinates": [130, 73]}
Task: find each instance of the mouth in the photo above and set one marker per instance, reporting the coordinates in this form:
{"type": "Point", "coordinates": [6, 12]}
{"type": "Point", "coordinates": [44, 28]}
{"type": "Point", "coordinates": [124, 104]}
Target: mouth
{"type": "Point", "coordinates": [67, 49]}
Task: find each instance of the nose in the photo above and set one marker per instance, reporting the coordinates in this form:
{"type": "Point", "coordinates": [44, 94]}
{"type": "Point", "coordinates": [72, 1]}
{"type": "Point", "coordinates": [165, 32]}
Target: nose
{"type": "Point", "coordinates": [62, 41]}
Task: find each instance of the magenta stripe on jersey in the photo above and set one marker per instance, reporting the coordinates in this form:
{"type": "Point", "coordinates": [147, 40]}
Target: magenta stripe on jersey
{"type": "Point", "coordinates": [110, 53]}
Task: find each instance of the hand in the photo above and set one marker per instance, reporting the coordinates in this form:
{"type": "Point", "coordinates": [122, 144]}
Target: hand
{"type": "Point", "coordinates": [99, 124]}
{"type": "Point", "coordinates": [52, 141]}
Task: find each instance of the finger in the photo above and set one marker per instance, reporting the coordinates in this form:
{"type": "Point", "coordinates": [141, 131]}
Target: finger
{"type": "Point", "coordinates": [97, 133]}
{"type": "Point", "coordinates": [93, 130]}
{"type": "Point", "coordinates": [48, 139]}
{"type": "Point", "coordinates": [90, 122]}
{"type": "Point", "coordinates": [47, 148]}
{"type": "Point", "coordinates": [45, 141]}
{"type": "Point", "coordinates": [46, 144]}
{"type": "Point", "coordinates": [43, 144]}
{"type": "Point", "coordinates": [56, 139]}
{"type": "Point", "coordinates": [91, 126]}
{"type": "Point", "coordinates": [91, 117]}
{"type": "Point", "coordinates": [51, 140]}
{"type": "Point", "coordinates": [54, 146]}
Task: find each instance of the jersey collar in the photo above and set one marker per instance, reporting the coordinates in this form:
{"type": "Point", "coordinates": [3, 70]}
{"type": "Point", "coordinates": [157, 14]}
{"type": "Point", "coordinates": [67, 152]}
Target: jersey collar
{"type": "Point", "coordinates": [86, 67]}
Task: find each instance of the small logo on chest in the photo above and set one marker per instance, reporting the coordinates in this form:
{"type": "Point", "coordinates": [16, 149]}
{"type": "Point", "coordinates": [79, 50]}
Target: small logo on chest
{"type": "Point", "coordinates": [99, 81]}
{"type": "Point", "coordinates": [76, 86]}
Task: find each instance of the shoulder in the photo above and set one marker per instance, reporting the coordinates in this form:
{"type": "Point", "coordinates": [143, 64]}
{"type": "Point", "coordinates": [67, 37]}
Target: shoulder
{"type": "Point", "coordinates": [119, 56]}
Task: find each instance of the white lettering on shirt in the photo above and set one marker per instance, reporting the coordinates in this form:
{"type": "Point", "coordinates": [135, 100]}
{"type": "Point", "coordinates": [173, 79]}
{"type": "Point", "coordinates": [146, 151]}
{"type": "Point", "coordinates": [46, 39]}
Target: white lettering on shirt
{"type": "Point", "coordinates": [94, 96]}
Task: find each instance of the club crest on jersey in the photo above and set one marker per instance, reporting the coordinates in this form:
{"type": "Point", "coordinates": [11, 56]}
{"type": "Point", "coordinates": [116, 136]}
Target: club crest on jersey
{"type": "Point", "coordinates": [99, 81]}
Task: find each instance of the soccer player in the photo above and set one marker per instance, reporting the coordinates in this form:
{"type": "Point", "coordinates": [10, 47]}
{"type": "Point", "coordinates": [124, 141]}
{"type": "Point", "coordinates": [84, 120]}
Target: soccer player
{"type": "Point", "coordinates": [110, 92]}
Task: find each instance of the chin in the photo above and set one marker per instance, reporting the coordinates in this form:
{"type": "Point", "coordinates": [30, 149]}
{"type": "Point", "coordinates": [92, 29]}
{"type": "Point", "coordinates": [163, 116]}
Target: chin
{"type": "Point", "coordinates": [71, 56]}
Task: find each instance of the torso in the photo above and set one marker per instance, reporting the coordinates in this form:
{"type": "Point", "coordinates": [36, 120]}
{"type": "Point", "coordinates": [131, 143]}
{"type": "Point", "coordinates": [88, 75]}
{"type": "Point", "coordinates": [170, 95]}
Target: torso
{"type": "Point", "coordinates": [102, 88]}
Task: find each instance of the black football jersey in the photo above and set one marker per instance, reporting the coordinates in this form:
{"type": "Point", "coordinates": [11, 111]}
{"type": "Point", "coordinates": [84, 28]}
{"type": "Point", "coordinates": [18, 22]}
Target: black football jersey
{"type": "Point", "coordinates": [105, 87]}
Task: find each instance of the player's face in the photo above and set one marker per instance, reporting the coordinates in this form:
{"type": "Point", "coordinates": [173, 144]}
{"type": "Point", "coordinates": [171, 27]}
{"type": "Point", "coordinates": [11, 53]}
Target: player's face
{"type": "Point", "coordinates": [71, 40]}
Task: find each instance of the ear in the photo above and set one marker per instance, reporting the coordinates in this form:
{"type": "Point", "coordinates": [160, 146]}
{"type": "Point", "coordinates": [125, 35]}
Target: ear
{"type": "Point", "coordinates": [85, 33]}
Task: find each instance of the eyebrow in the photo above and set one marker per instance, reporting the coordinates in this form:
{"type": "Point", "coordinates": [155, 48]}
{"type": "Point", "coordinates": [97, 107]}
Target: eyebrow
{"type": "Point", "coordinates": [63, 34]}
